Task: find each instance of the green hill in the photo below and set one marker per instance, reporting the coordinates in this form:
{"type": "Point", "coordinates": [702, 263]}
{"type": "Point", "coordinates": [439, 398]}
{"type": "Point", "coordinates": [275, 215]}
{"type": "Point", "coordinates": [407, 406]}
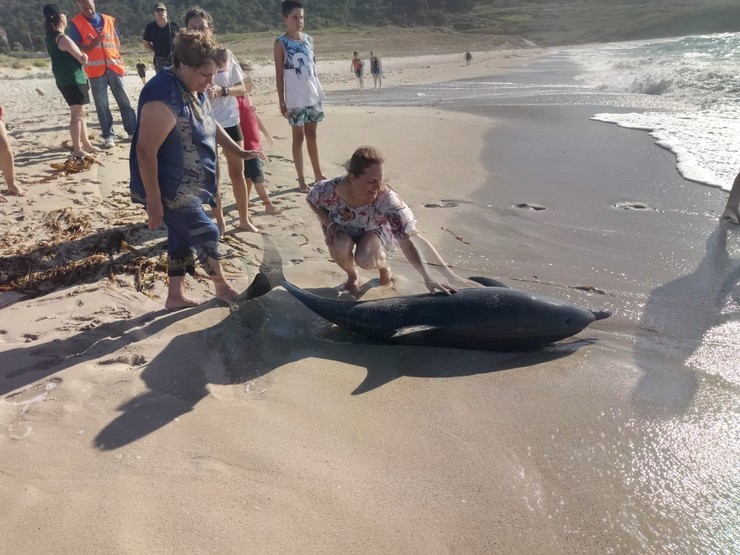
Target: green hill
{"type": "Point", "coordinates": [545, 22]}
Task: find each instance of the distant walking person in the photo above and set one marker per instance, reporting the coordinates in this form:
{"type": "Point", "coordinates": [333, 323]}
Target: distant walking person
{"type": "Point", "coordinates": [67, 61]}
{"type": "Point", "coordinates": [376, 70]}
{"type": "Point", "coordinates": [299, 90]}
{"type": "Point", "coordinates": [141, 71]}
{"type": "Point", "coordinates": [468, 57]}
{"type": "Point", "coordinates": [158, 37]}
{"type": "Point", "coordinates": [732, 209]}
{"type": "Point", "coordinates": [357, 68]}
{"type": "Point", "coordinates": [7, 163]}
{"type": "Point", "coordinates": [96, 35]}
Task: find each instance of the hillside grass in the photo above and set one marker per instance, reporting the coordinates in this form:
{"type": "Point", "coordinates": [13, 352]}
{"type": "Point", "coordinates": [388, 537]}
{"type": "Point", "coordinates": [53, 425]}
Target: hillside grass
{"type": "Point", "coordinates": [490, 27]}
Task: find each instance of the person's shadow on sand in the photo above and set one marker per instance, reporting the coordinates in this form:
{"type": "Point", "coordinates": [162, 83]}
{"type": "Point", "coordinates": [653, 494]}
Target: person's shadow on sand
{"type": "Point", "coordinates": [676, 323]}
{"type": "Point", "coordinates": [272, 331]}
{"type": "Point", "coordinates": [22, 366]}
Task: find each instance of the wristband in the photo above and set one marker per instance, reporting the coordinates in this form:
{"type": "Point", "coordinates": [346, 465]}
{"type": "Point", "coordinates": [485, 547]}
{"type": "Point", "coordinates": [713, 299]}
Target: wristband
{"type": "Point", "coordinates": [224, 91]}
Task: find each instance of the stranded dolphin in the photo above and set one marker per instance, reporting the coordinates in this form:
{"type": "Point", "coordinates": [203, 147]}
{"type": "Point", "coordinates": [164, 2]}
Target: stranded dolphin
{"type": "Point", "coordinates": [494, 317]}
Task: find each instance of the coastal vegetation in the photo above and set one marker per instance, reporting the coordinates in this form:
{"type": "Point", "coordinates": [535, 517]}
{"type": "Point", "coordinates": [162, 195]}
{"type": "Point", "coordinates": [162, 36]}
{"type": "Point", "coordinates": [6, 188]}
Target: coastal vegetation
{"type": "Point", "coordinates": [419, 26]}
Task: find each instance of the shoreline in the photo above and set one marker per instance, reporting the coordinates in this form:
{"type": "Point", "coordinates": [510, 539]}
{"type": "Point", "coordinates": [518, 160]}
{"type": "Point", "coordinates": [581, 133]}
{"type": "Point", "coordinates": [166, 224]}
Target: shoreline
{"type": "Point", "coordinates": [271, 429]}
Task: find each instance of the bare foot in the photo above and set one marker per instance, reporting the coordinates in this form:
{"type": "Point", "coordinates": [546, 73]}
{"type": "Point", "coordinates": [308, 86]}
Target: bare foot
{"type": "Point", "coordinates": [302, 187]}
{"type": "Point", "coordinates": [351, 286]}
{"type": "Point", "coordinates": [178, 304]}
{"type": "Point", "coordinates": [248, 226]}
{"type": "Point", "coordinates": [272, 210]}
{"type": "Point", "coordinates": [386, 278]}
{"type": "Point", "coordinates": [16, 191]}
{"type": "Point", "coordinates": [225, 292]}
{"type": "Point", "coordinates": [90, 149]}
{"type": "Point", "coordinates": [319, 178]}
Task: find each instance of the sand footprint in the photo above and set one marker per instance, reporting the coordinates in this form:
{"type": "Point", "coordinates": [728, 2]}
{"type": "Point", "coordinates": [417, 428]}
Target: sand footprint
{"type": "Point", "coordinates": [25, 399]}
{"type": "Point", "coordinates": [633, 206]}
{"type": "Point", "coordinates": [530, 206]}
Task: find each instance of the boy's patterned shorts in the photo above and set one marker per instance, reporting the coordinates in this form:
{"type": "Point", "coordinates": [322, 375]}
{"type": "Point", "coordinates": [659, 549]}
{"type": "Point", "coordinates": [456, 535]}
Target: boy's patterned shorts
{"type": "Point", "coordinates": [298, 117]}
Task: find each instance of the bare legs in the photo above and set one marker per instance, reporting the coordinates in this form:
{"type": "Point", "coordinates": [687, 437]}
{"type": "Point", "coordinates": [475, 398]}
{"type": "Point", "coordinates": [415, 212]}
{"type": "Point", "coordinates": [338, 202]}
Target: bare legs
{"type": "Point", "coordinates": [309, 132]}
{"type": "Point", "coordinates": [235, 167]}
{"type": "Point", "coordinates": [78, 131]}
{"type": "Point", "coordinates": [7, 163]}
{"type": "Point", "coordinates": [262, 192]}
{"type": "Point", "coordinates": [368, 255]}
{"type": "Point", "coordinates": [177, 299]}
{"type": "Point", "coordinates": [732, 209]}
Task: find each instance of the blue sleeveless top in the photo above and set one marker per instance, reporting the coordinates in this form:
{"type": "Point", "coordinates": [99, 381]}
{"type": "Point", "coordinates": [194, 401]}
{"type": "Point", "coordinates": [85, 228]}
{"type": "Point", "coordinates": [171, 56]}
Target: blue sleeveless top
{"type": "Point", "coordinates": [186, 160]}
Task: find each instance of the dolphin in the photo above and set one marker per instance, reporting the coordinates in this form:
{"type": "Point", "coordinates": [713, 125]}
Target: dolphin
{"type": "Point", "coordinates": [494, 317]}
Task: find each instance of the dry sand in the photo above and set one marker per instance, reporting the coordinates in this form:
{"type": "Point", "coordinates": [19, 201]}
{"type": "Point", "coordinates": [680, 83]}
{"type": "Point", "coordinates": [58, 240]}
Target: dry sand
{"type": "Point", "coordinates": [124, 428]}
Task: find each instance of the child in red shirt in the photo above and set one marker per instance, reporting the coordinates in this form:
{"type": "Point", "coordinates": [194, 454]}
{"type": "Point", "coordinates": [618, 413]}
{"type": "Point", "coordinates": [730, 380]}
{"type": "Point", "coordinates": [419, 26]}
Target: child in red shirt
{"type": "Point", "coordinates": [251, 126]}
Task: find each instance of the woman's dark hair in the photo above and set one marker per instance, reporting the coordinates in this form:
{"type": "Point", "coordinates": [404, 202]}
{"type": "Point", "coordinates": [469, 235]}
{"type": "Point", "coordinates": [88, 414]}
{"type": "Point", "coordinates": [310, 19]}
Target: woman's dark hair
{"type": "Point", "coordinates": [197, 11]}
{"type": "Point", "coordinates": [363, 158]}
{"type": "Point", "coordinates": [289, 6]}
{"type": "Point", "coordinates": [195, 49]}
{"type": "Point", "coordinates": [52, 17]}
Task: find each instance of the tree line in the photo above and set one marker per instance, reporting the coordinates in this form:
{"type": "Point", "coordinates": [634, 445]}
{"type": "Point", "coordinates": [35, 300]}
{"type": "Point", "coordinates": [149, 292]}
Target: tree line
{"type": "Point", "coordinates": [22, 19]}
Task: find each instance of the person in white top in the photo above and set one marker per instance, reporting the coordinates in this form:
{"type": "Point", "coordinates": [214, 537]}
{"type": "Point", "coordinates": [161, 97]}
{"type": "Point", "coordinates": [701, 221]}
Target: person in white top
{"type": "Point", "coordinates": [299, 90]}
{"type": "Point", "coordinates": [228, 84]}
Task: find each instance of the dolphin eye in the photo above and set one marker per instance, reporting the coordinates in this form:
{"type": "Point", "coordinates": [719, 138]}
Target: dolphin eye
{"type": "Point", "coordinates": [567, 322]}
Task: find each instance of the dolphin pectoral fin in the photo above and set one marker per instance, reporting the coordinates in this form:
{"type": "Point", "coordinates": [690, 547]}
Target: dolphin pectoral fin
{"type": "Point", "coordinates": [412, 331]}
{"type": "Point", "coordinates": [488, 282]}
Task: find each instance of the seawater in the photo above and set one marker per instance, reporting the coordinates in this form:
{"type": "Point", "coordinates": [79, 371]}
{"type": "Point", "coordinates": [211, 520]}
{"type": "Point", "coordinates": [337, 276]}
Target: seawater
{"type": "Point", "coordinates": [684, 91]}
{"type": "Point", "coordinates": [698, 80]}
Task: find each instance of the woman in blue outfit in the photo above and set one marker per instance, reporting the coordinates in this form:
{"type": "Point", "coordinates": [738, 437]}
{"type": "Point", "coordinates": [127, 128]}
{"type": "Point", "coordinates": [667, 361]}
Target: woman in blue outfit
{"type": "Point", "coordinates": [173, 162]}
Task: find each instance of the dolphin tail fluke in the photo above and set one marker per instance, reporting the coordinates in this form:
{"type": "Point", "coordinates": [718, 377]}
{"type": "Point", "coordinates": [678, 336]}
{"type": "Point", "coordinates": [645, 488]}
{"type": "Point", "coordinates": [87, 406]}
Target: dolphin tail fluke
{"type": "Point", "coordinates": [270, 273]}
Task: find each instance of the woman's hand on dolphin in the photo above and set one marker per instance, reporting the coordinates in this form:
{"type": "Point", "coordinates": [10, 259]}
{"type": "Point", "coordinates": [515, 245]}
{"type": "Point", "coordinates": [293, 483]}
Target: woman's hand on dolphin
{"type": "Point", "coordinates": [445, 288]}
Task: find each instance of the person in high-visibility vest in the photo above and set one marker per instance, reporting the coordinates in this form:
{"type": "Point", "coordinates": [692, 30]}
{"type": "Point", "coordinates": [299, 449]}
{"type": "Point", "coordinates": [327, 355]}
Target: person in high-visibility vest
{"type": "Point", "coordinates": [96, 35]}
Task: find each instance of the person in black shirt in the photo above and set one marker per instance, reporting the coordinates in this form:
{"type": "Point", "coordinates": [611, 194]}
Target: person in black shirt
{"type": "Point", "coordinates": [158, 37]}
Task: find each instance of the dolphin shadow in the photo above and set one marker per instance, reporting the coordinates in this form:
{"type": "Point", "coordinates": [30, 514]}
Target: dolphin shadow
{"type": "Point", "coordinates": [274, 330]}
{"type": "Point", "coordinates": [676, 320]}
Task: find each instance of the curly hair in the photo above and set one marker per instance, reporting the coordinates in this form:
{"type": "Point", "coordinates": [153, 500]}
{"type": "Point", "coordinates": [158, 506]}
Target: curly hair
{"type": "Point", "coordinates": [194, 49]}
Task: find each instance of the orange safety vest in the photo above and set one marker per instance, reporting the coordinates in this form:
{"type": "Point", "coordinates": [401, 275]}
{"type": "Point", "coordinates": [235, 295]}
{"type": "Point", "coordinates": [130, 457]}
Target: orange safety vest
{"type": "Point", "coordinates": [108, 54]}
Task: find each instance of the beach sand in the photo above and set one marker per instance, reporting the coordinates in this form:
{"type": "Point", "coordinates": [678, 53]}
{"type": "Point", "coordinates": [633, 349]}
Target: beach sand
{"type": "Point", "coordinates": [125, 428]}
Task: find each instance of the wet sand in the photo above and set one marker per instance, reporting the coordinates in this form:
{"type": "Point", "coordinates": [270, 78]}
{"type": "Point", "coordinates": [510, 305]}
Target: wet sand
{"type": "Point", "coordinates": [125, 428]}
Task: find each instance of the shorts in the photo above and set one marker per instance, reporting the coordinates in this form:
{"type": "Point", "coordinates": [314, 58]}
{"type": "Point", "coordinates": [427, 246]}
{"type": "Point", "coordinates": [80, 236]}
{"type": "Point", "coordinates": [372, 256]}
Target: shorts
{"type": "Point", "coordinates": [235, 132]}
{"type": "Point", "coordinates": [75, 94]}
{"type": "Point", "coordinates": [253, 170]}
{"type": "Point", "coordinates": [358, 73]}
{"type": "Point", "coordinates": [298, 117]}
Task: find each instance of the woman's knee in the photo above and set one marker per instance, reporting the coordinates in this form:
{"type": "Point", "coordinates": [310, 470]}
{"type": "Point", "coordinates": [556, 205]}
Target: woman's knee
{"type": "Point", "coordinates": [370, 259]}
